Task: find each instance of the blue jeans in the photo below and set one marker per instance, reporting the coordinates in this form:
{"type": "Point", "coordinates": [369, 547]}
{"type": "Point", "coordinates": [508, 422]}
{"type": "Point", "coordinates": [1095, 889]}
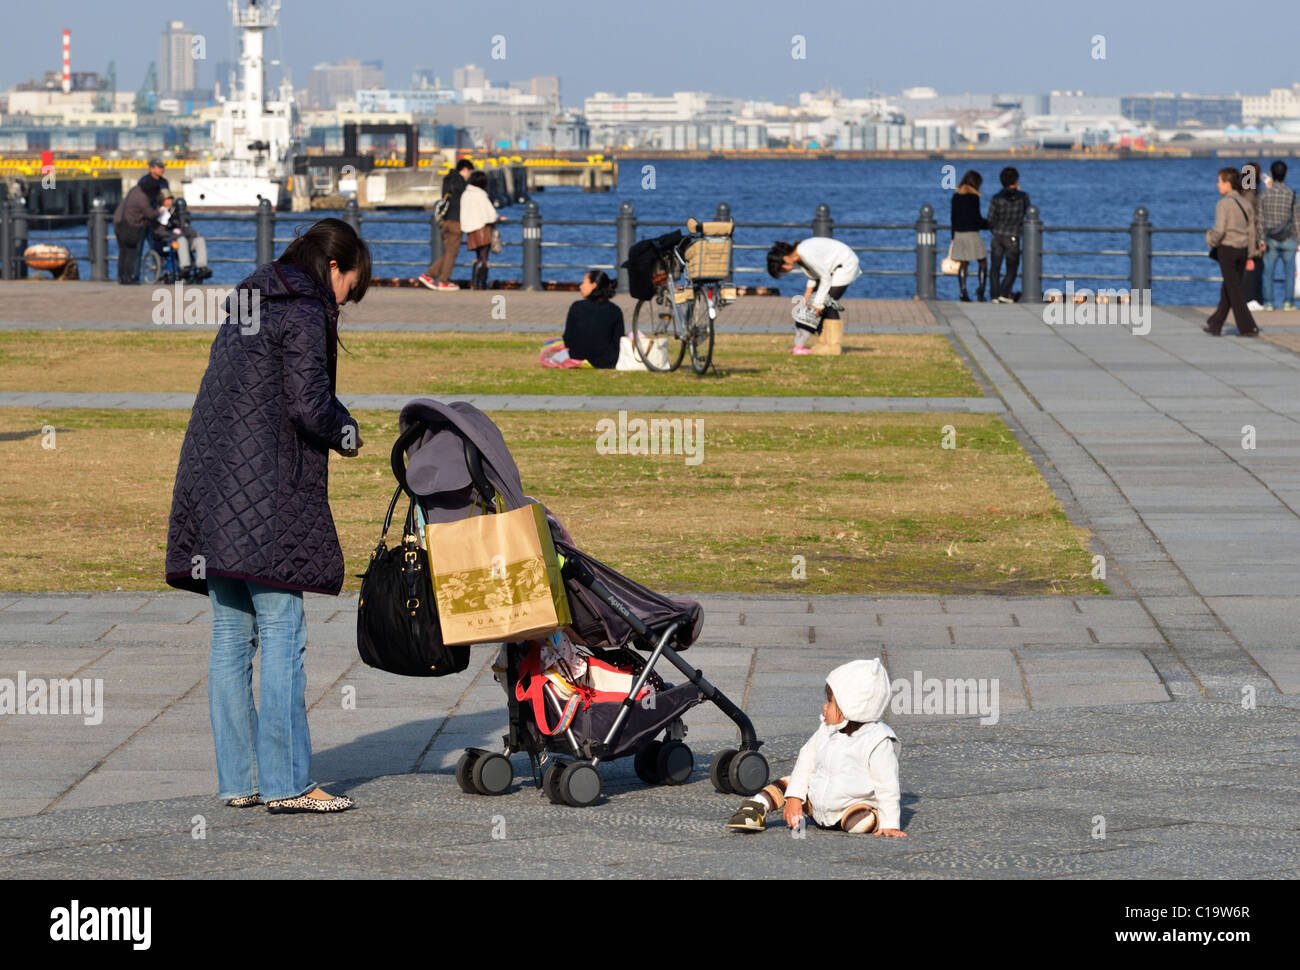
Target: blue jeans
{"type": "Point", "coordinates": [1285, 251]}
{"type": "Point", "coordinates": [266, 750]}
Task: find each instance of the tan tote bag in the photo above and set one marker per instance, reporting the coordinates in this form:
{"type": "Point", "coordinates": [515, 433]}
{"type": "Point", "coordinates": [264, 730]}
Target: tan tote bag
{"type": "Point", "coordinates": [496, 578]}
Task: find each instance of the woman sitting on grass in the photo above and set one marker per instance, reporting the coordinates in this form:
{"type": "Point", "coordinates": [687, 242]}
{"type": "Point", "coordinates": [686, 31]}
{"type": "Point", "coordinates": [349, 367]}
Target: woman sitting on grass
{"type": "Point", "coordinates": [592, 329]}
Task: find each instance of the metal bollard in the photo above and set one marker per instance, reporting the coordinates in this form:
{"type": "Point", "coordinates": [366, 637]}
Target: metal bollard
{"type": "Point", "coordinates": [6, 240]}
{"type": "Point", "coordinates": [1139, 254]}
{"type": "Point", "coordinates": [18, 231]}
{"type": "Point", "coordinates": [1031, 252]}
{"type": "Point", "coordinates": [97, 240]}
{"type": "Point", "coordinates": [352, 216]}
{"type": "Point", "coordinates": [532, 262]}
{"type": "Point", "coordinates": [823, 224]}
{"type": "Point", "coordinates": [626, 237]}
{"type": "Point", "coordinates": [265, 232]}
{"type": "Point", "coordinates": [435, 240]}
{"type": "Point", "coordinates": [926, 234]}
{"type": "Point", "coordinates": [723, 214]}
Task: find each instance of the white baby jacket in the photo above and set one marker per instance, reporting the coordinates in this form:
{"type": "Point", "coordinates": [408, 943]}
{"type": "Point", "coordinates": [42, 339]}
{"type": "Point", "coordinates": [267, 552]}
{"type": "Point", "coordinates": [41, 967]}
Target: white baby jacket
{"type": "Point", "coordinates": [835, 771]}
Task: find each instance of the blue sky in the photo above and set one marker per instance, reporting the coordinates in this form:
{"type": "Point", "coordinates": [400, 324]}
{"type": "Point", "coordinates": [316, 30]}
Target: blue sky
{"type": "Point", "coordinates": [724, 46]}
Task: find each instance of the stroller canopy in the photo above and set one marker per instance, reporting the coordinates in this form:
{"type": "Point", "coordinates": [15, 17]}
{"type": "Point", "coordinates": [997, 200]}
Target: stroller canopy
{"type": "Point", "coordinates": [442, 440]}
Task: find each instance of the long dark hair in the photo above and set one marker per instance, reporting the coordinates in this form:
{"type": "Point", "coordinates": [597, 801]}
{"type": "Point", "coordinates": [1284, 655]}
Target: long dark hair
{"type": "Point", "coordinates": [776, 258]}
{"type": "Point", "coordinates": [331, 240]}
{"type": "Point", "coordinates": [605, 287]}
{"type": "Point", "coordinates": [478, 178]}
{"type": "Point", "coordinates": [972, 178]}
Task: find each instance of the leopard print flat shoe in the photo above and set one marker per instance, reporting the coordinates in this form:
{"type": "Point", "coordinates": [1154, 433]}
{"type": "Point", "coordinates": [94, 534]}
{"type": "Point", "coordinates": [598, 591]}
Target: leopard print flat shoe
{"type": "Point", "coordinates": [304, 803]}
{"type": "Point", "coordinates": [245, 801]}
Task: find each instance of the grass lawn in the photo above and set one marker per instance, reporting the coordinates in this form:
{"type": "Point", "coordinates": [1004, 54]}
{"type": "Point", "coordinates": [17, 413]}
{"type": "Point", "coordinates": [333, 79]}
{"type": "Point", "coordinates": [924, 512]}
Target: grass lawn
{"type": "Point", "coordinates": [871, 502]}
{"type": "Point", "coordinates": [921, 365]}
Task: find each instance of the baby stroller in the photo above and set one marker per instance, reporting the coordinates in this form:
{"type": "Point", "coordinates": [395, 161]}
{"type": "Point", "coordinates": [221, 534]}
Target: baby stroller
{"type": "Point", "coordinates": [451, 458]}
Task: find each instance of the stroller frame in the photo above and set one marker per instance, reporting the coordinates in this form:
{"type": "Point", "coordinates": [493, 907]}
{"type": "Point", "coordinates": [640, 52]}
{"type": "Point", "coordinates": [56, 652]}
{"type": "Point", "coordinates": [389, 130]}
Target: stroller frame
{"type": "Point", "coordinates": [741, 770]}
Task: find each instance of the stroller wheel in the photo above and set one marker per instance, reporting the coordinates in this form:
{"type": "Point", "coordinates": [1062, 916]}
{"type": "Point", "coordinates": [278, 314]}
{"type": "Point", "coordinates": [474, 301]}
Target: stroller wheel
{"type": "Point", "coordinates": [464, 773]}
{"type": "Point", "coordinates": [718, 771]}
{"type": "Point", "coordinates": [492, 774]}
{"type": "Point", "coordinates": [646, 763]}
{"type": "Point", "coordinates": [675, 763]}
{"type": "Point", "coordinates": [580, 785]}
{"type": "Point", "coordinates": [551, 782]}
{"type": "Point", "coordinates": [747, 773]}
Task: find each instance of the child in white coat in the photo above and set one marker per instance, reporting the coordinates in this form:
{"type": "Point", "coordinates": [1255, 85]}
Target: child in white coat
{"type": "Point", "coordinates": [846, 775]}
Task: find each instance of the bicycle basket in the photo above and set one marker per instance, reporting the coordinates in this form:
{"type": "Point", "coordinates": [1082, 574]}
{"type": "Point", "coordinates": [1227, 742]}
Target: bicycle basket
{"type": "Point", "coordinates": [709, 258]}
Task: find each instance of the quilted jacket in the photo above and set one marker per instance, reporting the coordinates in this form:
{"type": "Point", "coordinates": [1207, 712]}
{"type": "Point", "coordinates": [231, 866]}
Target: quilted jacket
{"type": "Point", "coordinates": [251, 490]}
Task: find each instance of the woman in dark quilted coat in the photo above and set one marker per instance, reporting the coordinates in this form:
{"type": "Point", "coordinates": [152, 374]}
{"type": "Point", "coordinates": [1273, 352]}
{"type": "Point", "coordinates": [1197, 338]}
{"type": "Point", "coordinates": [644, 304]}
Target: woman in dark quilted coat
{"type": "Point", "coordinates": [250, 523]}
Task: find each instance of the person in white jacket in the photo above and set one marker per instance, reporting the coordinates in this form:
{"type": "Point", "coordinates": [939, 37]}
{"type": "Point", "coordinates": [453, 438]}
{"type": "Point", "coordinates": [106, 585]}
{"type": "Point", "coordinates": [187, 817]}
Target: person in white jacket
{"type": "Point", "coordinates": [830, 267]}
{"type": "Point", "coordinates": [846, 775]}
{"type": "Point", "coordinates": [478, 216]}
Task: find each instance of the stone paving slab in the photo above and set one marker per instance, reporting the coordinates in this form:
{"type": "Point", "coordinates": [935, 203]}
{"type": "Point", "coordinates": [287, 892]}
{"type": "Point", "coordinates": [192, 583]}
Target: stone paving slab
{"type": "Point", "coordinates": [29, 304]}
{"type": "Point", "coordinates": [1163, 811]}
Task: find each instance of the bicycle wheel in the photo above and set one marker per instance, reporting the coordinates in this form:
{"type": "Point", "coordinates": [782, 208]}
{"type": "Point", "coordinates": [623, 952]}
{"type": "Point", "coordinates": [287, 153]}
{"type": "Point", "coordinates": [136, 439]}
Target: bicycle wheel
{"type": "Point", "coordinates": [152, 269]}
{"type": "Point", "coordinates": [653, 320]}
{"type": "Point", "coordinates": [700, 334]}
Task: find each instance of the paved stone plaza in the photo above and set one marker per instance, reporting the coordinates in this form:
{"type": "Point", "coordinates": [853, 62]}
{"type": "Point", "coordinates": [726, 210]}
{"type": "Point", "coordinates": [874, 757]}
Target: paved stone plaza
{"type": "Point", "coordinates": [1152, 732]}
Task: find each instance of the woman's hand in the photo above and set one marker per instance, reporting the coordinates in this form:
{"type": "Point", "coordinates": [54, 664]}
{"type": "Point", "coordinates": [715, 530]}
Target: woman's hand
{"type": "Point", "coordinates": [352, 452]}
{"type": "Point", "coordinates": [792, 812]}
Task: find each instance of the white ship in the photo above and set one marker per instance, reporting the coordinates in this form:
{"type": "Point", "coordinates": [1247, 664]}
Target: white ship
{"type": "Point", "coordinates": [253, 142]}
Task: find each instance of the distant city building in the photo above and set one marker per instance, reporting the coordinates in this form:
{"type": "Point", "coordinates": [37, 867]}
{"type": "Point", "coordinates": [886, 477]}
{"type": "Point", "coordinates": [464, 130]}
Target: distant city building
{"type": "Point", "coordinates": [638, 108]}
{"type": "Point", "coordinates": [1279, 103]}
{"type": "Point", "coordinates": [1078, 103]}
{"type": "Point", "coordinates": [494, 126]}
{"type": "Point", "coordinates": [877, 136]}
{"type": "Point", "coordinates": [546, 87]}
{"type": "Point", "coordinates": [328, 84]}
{"type": "Point", "coordinates": [687, 136]}
{"type": "Point", "coordinates": [424, 77]}
{"type": "Point", "coordinates": [468, 76]}
{"type": "Point", "coordinates": [919, 102]}
{"type": "Point", "coordinates": [177, 68]}
{"type": "Point", "coordinates": [1167, 110]}
{"type": "Point", "coordinates": [413, 102]}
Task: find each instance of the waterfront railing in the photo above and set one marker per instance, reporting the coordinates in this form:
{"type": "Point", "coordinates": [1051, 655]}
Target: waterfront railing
{"type": "Point", "coordinates": [528, 251]}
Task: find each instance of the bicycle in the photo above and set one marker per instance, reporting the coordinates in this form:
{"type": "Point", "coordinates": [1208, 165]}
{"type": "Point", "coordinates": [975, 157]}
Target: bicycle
{"type": "Point", "coordinates": [684, 317]}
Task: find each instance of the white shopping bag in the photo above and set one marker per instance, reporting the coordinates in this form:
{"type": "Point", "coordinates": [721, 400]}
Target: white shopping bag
{"type": "Point", "coordinates": [657, 350]}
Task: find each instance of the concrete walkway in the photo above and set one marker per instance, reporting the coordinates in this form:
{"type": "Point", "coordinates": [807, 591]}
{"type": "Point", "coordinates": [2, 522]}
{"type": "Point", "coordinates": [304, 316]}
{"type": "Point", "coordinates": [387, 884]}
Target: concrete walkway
{"type": "Point", "coordinates": [1151, 733]}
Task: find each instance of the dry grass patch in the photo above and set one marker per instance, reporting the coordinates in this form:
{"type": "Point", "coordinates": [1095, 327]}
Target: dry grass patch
{"type": "Point", "coordinates": [173, 360]}
{"type": "Point", "coordinates": [872, 503]}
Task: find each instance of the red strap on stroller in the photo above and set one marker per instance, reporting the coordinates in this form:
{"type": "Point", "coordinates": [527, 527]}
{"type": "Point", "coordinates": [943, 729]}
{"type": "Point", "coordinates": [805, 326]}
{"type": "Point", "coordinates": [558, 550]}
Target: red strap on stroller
{"type": "Point", "coordinates": [530, 671]}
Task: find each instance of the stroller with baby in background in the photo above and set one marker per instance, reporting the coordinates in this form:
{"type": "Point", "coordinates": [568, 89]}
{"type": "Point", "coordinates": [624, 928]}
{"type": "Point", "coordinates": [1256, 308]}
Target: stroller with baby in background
{"type": "Point", "coordinates": [585, 694]}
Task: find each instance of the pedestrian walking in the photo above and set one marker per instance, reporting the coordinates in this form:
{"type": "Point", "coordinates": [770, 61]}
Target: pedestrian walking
{"type": "Point", "coordinates": [967, 246]}
{"type": "Point", "coordinates": [250, 524]}
{"type": "Point", "coordinates": [478, 219]}
{"type": "Point", "coordinates": [1252, 279]}
{"type": "Point", "coordinates": [1230, 242]}
{"type": "Point", "coordinates": [1279, 220]}
{"type": "Point", "coordinates": [1006, 222]}
{"type": "Point", "coordinates": [438, 275]}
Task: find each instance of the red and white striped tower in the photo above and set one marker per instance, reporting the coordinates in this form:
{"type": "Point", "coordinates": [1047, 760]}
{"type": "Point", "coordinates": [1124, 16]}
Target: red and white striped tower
{"type": "Point", "coordinates": [67, 61]}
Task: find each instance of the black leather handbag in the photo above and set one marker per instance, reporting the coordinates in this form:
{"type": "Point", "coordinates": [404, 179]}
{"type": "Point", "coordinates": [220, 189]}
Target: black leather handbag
{"type": "Point", "coordinates": [397, 620]}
